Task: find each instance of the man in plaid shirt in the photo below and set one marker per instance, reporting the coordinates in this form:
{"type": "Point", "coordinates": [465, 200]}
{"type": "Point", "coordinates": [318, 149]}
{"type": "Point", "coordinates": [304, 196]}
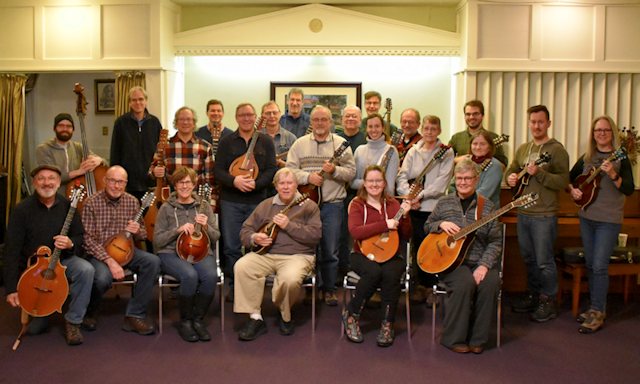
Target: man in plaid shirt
{"type": "Point", "coordinates": [106, 214]}
{"type": "Point", "coordinates": [185, 149]}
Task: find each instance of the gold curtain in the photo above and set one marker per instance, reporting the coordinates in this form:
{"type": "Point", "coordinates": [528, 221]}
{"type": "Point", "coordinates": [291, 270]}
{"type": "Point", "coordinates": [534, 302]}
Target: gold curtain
{"type": "Point", "coordinates": [12, 118]}
{"type": "Point", "coordinates": [124, 82]}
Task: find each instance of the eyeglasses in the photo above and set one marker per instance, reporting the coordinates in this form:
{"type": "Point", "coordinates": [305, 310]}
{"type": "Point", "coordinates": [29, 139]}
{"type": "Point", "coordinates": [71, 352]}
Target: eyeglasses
{"type": "Point", "coordinates": [115, 182]}
{"type": "Point", "coordinates": [320, 120]}
{"type": "Point", "coordinates": [602, 130]}
{"type": "Point", "coordinates": [375, 181]}
{"type": "Point", "coordinates": [466, 179]}
{"type": "Point", "coordinates": [185, 182]}
{"type": "Point", "coordinates": [270, 113]}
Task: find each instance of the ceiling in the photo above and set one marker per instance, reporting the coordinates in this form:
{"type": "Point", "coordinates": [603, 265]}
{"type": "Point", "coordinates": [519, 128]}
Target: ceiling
{"type": "Point", "coordinates": [327, 2]}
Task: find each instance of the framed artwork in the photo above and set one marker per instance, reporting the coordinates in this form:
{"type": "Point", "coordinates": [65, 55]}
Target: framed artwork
{"type": "Point", "coordinates": [105, 95]}
{"type": "Point", "coordinates": [335, 96]}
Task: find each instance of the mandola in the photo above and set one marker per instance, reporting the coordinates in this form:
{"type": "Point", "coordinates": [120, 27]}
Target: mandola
{"type": "Point", "coordinates": [195, 247]}
{"type": "Point", "coordinates": [245, 164]}
{"type": "Point", "coordinates": [313, 191]}
{"type": "Point", "coordinates": [120, 246]}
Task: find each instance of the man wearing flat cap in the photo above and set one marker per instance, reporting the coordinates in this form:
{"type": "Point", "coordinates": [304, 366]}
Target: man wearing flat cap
{"type": "Point", "coordinates": [67, 155]}
{"type": "Point", "coordinates": [26, 234]}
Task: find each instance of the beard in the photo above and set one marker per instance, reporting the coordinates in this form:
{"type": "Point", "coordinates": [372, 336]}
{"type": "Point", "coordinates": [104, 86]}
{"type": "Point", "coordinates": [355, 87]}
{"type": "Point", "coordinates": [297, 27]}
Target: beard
{"type": "Point", "coordinates": [63, 136]}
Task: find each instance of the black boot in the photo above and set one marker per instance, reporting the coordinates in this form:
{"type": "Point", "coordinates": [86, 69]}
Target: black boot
{"type": "Point", "coordinates": [185, 328]}
{"type": "Point", "coordinates": [200, 309]}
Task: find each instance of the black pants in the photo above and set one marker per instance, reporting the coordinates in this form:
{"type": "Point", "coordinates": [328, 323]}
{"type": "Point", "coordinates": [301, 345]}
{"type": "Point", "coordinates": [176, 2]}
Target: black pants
{"type": "Point", "coordinates": [418, 218]}
{"type": "Point", "coordinates": [373, 275]}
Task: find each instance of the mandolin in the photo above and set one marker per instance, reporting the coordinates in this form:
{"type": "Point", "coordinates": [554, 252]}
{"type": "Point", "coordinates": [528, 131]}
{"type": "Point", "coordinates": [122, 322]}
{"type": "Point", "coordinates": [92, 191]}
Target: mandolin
{"type": "Point", "coordinates": [271, 229]}
{"type": "Point", "coordinates": [216, 132]}
{"type": "Point", "coordinates": [443, 253]}
{"type": "Point", "coordinates": [382, 247]}
{"type": "Point", "coordinates": [523, 176]}
{"type": "Point", "coordinates": [43, 287]}
{"type": "Point", "coordinates": [387, 114]}
{"type": "Point", "coordinates": [195, 247]}
{"type": "Point", "coordinates": [589, 183]}
{"type": "Point", "coordinates": [245, 164]}
{"type": "Point", "coordinates": [93, 181]}
{"type": "Point", "coordinates": [120, 246]}
{"type": "Point", "coordinates": [417, 184]}
{"type": "Point", "coordinates": [162, 191]}
{"type": "Point", "coordinates": [312, 190]}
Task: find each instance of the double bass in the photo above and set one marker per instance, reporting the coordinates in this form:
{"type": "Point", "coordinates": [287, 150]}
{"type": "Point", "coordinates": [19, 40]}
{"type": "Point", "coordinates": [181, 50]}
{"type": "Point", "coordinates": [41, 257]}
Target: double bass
{"type": "Point", "coordinates": [43, 287]}
{"type": "Point", "coordinates": [93, 181]}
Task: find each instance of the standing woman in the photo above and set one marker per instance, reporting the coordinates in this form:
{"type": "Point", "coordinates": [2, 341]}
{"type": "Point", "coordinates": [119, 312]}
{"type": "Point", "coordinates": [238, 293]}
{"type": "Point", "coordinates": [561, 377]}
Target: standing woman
{"type": "Point", "coordinates": [482, 153]}
{"type": "Point", "coordinates": [601, 221]}
{"type": "Point", "coordinates": [371, 213]}
{"type": "Point", "coordinates": [434, 186]}
{"type": "Point", "coordinates": [197, 281]}
{"type": "Point", "coordinates": [373, 153]}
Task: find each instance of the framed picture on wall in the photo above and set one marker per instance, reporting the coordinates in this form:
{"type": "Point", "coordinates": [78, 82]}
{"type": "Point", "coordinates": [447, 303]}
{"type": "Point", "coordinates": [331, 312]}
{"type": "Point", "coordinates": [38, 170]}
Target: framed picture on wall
{"type": "Point", "coordinates": [105, 91]}
{"type": "Point", "coordinates": [334, 96]}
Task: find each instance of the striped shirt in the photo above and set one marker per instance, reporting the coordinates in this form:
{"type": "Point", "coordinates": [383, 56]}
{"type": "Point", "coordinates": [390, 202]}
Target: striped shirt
{"type": "Point", "coordinates": [103, 218]}
{"type": "Point", "coordinates": [195, 154]}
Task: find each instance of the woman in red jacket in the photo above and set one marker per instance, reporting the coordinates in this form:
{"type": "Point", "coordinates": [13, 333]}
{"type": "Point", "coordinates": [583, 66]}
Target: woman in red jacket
{"type": "Point", "coordinates": [372, 213]}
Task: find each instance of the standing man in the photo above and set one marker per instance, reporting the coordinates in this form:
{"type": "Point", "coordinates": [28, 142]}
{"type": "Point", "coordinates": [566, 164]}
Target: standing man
{"type": "Point", "coordinates": [282, 139]}
{"type": "Point", "coordinates": [214, 130]}
{"type": "Point", "coordinates": [290, 256]}
{"type": "Point", "coordinates": [295, 120]}
{"type": "Point", "coordinates": [185, 149]}
{"type": "Point", "coordinates": [65, 154]}
{"type": "Point", "coordinates": [372, 104]}
{"type": "Point", "coordinates": [409, 122]}
{"type": "Point", "coordinates": [106, 214]}
{"type": "Point", "coordinates": [134, 141]}
{"type": "Point", "coordinates": [240, 194]}
{"type": "Point", "coordinates": [537, 224]}
{"type": "Point", "coordinates": [25, 235]}
{"type": "Point", "coordinates": [307, 157]}
{"type": "Point", "coordinates": [461, 141]}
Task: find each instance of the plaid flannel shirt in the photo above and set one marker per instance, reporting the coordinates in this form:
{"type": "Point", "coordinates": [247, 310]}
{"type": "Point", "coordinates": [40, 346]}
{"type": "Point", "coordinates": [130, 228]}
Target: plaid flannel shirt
{"type": "Point", "coordinates": [195, 153]}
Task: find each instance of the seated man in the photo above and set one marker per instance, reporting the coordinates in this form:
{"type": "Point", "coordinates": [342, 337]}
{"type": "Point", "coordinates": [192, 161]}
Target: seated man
{"type": "Point", "coordinates": [289, 255]}
{"type": "Point", "coordinates": [106, 214]}
{"type": "Point", "coordinates": [473, 287]}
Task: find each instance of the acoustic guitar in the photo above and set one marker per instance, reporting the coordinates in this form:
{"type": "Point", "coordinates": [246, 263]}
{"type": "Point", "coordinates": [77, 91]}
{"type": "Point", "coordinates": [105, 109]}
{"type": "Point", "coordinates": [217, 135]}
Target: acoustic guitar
{"type": "Point", "coordinates": [384, 246]}
{"type": "Point", "coordinates": [93, 181]}
{"type": "Point", "coordinates": [271, 229]}
{"type": "Point", "coordinates": [194, 248]}
{"type": "Point", "coordinates": [523, 176]}
{"type": "Point", "coordinates": [120, 246]}
{"type": "Point", "coordinates": [161, 190]}
{"type": "Point", "coordinates": [589, 183]}
{"type": "Point", "coordinates": [245, 164]}
{"type": "Point", "coordinates": [443, 253]}
{"type": "Point", "coordinates": [43, 287]}
{"type": "Point", "coordinates": [312, 190]}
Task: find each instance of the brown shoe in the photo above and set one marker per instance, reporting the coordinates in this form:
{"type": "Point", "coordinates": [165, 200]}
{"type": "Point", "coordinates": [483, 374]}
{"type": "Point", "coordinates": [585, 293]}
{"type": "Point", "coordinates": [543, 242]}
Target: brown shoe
{"type": "Point", "coordinates": [137, 325]}
{"type": "Point", "coordinates": [72, 333]}
{"type": "Point", "coordinates": [89, 323]}
{"type": "Point", "coordinates": [460, 348]}
{"type": "Point", "coordinates": [477, 349]}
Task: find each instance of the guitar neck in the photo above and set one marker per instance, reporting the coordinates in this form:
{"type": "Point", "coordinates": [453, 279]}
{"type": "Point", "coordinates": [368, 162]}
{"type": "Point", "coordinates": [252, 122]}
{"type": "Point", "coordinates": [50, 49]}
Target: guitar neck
{"type": "Point", "coordinates": [252, 146]}
{"type": "Point", "coordinates": [483, 221]}
{"type": "Point", "coordinates": [55, 256]}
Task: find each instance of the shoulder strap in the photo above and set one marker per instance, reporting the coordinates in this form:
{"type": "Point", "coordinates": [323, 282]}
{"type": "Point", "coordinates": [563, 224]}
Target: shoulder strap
{"type": "Point", "coordinates": [479, 206]}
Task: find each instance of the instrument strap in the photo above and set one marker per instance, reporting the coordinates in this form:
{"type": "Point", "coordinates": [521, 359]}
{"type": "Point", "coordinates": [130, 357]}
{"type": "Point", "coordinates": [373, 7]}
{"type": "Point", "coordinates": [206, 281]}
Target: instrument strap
{"type": "Point", "coordinates": [384, 207]}
{"type": "Point", "coordinates": [479, 206]}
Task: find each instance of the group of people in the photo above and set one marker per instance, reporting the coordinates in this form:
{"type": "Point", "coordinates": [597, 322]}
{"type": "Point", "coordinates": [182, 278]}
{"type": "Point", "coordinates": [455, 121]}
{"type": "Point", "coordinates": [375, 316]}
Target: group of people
{"type": "Point", "coordinates": [305, 198]}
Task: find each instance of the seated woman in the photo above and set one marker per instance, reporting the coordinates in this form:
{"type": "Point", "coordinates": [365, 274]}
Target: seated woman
{"type": "Point", "coordinates": [198, 281]}
{"type": "Point", "coordinates": [473, 287]}
{"type": "Point", "coordinates": [372, 213]}
{"type": "Point", "coordinates": [482, 151]}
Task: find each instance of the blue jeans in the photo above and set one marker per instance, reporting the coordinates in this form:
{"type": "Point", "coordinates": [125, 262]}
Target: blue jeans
{"type": "Point", "coordinates": [536, 236]}
{"type": "Point", "coordinates": [232, 215]}
{"type": "Point", "coordinates": [598, 240]}
{"type": "Point", "coordinates": [327, 260]}
{"type": "Point", "coordinates": [146, 265]}
{"type": "Point", "coordinates": [200, 277]}
{"type": "Point", "coordinates": [79, 273]}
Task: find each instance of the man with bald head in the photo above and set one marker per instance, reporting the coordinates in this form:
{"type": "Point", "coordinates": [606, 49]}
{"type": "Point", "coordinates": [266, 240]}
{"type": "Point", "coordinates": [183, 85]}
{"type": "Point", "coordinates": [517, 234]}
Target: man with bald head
{"type": "Point", "coordinates": [106, 214]}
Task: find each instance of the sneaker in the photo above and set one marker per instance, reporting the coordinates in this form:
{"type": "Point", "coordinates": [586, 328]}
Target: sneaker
{"type": "Point", "coordinates": [287, 328]}
{"type": "Point", "coordinates": [138, 325]}
{"type": "Point", "coordinates": [351, 327]}
{"type": "Point", "coordinates": [72, 333]}
{"type": "Point", "coordinates": [593, 322]}
{"type": "Point", "coordinates": [581, 318]}
{"type": "Point", "coordinates": [386, 334]}
{"type": "Point", "coordinates": [330, 299]}
{"type": "Point", "coordinates": [525, 304]}
{"type": "Point", "coordinates": [252, 329]}
{"type": "Point", "coordinates": [545, 311]}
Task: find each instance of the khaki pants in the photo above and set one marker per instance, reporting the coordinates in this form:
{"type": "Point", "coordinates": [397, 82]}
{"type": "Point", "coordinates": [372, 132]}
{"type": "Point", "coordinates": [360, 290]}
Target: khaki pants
{"type": "Point", "coordinates": [251, 271]}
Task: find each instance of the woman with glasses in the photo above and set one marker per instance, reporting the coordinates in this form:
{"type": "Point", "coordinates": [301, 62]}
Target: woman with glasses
{"type": "Point", "coordinates": [198, 281]}
{"type": "Point", "coordinates": [372, 213]}
{"type": "Point", "coordinates": [473, 287]}
{"type": "Point", "coordinates": [601, 220]}
{"type": "Point", "coordinates": [433, 186]}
